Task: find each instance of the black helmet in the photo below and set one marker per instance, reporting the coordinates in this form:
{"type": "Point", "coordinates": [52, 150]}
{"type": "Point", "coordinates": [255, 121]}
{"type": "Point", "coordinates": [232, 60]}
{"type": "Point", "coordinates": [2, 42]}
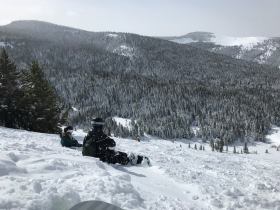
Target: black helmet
{"type": "Point", "coordinates": [97, 122]}
{"type": "Point", "coordinates": [68, 128]}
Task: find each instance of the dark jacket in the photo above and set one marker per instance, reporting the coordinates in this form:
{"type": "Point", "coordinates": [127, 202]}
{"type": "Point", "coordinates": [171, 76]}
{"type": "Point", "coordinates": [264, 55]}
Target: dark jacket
{"type": "Point", "coordinates": [96, 144]}
{"type": "Point", "coordinates": [67, 140]}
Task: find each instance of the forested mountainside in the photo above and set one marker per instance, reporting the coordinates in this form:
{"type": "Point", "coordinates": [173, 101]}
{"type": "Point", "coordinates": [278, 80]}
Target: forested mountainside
{"type": "Point", "coordinates": [168, 88]}
{"type": "Point", "coordinates": [262, 50]}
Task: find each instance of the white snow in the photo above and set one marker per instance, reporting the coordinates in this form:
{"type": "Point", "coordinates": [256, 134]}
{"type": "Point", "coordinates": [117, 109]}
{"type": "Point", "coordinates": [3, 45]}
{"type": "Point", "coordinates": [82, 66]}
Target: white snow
{"type": "Point", "coordinates": [195, 129]}
{"type": "Point", "coordinates": [184, 40]}
{"type": "Point", "coordinates": [245, 42]}
{"type": "Point", "coordinates": [112, 35]}
{"type": "Point", "coordinates": [5, 44]}
{"type": "Point", "coordinates": [123, 122]}
{"type": "Point", "coordinates": [274, 137]}
{"type": "Point", "coordinates": [74, 109]}
{"type": "Point", "coordinates": [124, 50]}
{"type": "Point", "coordinates": [267, 53]}
{"type": "Point", "coordinates": [37, 173]}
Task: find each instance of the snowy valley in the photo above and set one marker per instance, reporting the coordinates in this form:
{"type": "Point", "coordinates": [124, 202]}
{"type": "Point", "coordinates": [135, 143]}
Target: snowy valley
{"type": "Point", "coordinates": [37, 173]}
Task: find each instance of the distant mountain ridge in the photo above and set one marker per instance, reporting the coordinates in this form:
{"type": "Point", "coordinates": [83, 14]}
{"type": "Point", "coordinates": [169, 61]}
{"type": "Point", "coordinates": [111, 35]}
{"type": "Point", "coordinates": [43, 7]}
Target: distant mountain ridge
{"type": "Point", "coordinates": [169, 88]}
{"type": "Point", "coordinates": [263, 50]}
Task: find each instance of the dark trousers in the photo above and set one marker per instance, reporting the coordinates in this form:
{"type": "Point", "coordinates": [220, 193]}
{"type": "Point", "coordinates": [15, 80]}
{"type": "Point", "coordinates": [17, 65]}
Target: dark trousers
{"type": "Point", "coordinates": [111, 156]}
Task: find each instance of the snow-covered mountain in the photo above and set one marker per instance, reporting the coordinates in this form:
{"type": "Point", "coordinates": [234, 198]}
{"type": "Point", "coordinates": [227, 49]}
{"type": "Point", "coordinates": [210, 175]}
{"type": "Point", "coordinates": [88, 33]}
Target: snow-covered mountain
{"type": "Point", "coordinates": [218, 39]}
{"type": "Point", "coordinates": [37, 173]}
{"type": "Point", "coordinates": [165, 86]}
{"type": "Point", "coordinates": [262, 50]}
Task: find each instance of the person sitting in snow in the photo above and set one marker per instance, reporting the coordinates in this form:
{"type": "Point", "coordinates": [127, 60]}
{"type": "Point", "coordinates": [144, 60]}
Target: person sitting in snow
{"type": "Point", "coordinates": [67, 140]}
{"type": "Point", "coordinates": [99, 145]}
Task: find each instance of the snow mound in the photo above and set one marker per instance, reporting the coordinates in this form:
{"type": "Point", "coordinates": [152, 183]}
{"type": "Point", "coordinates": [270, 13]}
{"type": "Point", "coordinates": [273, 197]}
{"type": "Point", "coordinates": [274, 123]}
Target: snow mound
{"type": "Point", "coordinates": [8, 165]}
{"type": "Point", "coordinates": [43, 175]}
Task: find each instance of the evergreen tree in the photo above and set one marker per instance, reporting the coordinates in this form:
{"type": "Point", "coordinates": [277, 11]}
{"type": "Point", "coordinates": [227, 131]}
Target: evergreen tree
{"type": "Point", "coordinates": [189, 145]}
{"type": "Point", "coordinates": [245, 149]}
{"type": "Point", "coordinates": [40, 101]}
{"type": "Point", "coordinates": [9, 92]}
{"type": "Point", "coordinates": [234, 149]}
{"type": "Point", "coordinates": [212, 145]}
{"type": "Point", "coordinates": [221, 145]}
{"type": "Point", "coordinates": [195, 147]}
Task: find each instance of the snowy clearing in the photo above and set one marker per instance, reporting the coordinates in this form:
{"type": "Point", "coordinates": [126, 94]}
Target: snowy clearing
{"type": "Point", "coordinates": [126, 123]}
{"type": "Point", "coordinates": [37, 173]}
{"type": "Point", "coordinates": [124, 50]}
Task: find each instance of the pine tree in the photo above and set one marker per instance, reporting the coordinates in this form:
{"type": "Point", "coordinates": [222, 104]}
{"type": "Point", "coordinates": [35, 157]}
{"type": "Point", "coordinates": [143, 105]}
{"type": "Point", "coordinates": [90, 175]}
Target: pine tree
{"type": "Point", "coordinates": [200, 147]}
{"type": "Point", "coordinates": [246, 150]}
{"type": "Point", "coordinates": [195, 147]}
{"type": "Point", "coordinates": [41, 101]}
{"type": "Point", "coordinates": [189, 145]}
{"type": "Point", "coordinates": [212, 144]}
{"type": "Point", "coordinates": [10, 93]}
{"type": "Point", "coordinates": [234, 149]}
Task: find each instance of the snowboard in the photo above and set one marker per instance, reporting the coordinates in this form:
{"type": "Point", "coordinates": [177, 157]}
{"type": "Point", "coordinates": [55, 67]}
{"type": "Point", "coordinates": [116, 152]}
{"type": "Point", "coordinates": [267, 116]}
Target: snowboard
{"type": "Point", "coordinates": [95, 205]}
{"type": "Point", "coordinates": [139, 160]}
{"type": "Point", "coordinates": [76, 148]}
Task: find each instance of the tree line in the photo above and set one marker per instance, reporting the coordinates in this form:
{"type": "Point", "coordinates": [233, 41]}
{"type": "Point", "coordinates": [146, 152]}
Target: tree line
{"type": "Point", "coordinates": [27, 100]}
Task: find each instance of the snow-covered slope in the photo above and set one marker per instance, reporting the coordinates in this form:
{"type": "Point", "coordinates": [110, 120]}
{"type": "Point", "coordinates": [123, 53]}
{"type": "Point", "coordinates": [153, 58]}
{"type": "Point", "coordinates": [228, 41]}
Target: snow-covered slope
{"type": "Point", "coordinates": [222, 40]}
{"type": "Point", "coordinates": [37, 173]}
{"type": "Point", "coordinates": [123, 122]}
{"type": "Point", "coordinates": [262, 50]}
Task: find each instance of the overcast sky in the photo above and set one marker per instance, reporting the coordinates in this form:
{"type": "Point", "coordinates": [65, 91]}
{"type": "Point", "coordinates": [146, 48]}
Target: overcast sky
{"type": "Point", "coordinates": [152, 17]}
